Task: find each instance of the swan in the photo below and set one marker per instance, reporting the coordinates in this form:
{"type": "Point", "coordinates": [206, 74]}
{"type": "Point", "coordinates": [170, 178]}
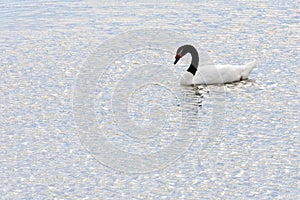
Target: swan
{"type": "Point", "coordinates": [210, 73]}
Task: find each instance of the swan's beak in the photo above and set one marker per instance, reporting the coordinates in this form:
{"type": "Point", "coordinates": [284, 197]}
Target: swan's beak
{"type": "Point", "coordinates": [177, 57]}
{"type": "Point", "coordinates": [176, 60]}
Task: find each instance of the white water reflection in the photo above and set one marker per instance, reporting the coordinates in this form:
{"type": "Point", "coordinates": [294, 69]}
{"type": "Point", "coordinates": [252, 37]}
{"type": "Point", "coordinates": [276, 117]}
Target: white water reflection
{"type": "Point", "coordinates": [45, 44]}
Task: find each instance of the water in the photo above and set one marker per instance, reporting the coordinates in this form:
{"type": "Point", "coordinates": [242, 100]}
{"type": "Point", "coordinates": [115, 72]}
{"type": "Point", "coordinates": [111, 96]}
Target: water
{"type": "Point", "coordinates": [45, 46]}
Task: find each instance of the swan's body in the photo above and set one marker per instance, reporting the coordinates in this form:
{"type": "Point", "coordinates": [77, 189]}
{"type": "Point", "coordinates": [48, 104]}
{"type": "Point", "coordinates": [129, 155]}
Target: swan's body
{"type": "Point", "coordinates": [217, 74]}
{"type": "Point", "coordinates": [211, 74]}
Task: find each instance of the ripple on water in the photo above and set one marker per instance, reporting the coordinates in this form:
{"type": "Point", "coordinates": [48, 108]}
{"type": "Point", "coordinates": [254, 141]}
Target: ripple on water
{"type": "Point", "coordinates": [43, 46]}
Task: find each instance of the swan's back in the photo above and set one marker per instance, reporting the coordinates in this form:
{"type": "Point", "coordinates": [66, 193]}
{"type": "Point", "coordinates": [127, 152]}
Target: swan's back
{"type": "Point", "coordinates": [217, 74]}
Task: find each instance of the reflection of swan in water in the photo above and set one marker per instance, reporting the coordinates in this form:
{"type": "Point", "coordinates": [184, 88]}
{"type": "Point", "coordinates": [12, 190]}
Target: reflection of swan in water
{"type": "Point", "coordinates": [209, 73]}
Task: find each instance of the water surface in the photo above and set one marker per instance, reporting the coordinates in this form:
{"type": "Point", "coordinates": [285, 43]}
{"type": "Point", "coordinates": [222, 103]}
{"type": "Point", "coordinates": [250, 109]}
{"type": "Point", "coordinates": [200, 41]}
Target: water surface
{"type": "Point", "coordinates": [44, 46]}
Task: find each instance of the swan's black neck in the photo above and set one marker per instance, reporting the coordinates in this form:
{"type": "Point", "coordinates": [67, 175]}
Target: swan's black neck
{"type": "Point", "coordinates": [195, 58]}
{"type": "Point", "coordinates": [192, 69]}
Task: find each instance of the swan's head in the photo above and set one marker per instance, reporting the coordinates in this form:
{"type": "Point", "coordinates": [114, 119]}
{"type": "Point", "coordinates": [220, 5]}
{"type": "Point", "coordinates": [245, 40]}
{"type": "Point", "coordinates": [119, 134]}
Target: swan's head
{"type": "Point", "coordinates": [179, 54]}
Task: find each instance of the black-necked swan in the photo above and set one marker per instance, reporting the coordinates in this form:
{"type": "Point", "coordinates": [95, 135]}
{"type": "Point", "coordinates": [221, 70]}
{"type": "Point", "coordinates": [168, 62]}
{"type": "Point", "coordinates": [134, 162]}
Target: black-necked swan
{"type": "Point", "coordinates": [211, 74]}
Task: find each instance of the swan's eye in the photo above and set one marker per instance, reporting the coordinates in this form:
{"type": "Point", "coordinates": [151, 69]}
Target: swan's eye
{"type": "Point", "coordinates": [177, 56]}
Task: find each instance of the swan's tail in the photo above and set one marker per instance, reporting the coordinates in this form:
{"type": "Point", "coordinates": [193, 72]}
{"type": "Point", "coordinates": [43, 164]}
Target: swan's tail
{"type": "Point", "coordinates": [248, 68]}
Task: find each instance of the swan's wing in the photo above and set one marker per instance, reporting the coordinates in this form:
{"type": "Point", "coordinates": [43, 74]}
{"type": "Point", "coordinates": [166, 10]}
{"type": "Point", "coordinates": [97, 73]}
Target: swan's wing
{"type": "Point", "coordinates": [217, 74]}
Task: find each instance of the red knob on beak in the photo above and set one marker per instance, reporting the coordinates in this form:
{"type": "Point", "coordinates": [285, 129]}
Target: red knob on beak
{"type": "Point", "coordinates": [177, 57]}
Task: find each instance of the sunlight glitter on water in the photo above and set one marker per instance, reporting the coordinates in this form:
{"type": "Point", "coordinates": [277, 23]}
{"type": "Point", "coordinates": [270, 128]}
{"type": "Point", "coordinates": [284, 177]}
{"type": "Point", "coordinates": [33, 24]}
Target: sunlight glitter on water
{"type": "Point", "coordinates": [44, 46]}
